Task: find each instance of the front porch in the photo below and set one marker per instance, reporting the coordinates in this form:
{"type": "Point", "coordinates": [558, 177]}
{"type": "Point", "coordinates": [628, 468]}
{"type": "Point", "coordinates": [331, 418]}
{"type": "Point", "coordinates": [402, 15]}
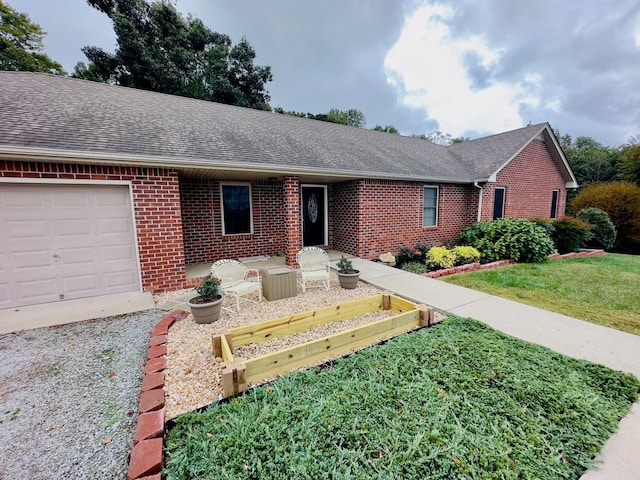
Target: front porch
{"type": "Point", "coordinates": [201, 270]}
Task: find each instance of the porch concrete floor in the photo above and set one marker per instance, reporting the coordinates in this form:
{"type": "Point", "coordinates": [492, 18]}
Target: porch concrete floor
{"type": "Point", "coordinates": [199, 270]}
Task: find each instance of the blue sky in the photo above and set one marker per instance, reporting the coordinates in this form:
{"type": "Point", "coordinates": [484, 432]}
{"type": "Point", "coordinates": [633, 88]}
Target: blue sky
{"type": "Point", "coordinates": [463, 67]}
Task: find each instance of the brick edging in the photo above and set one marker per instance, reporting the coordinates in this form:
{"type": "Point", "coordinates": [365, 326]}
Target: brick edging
{"type": "Point", "coordinates": [481, 266]}
{"type": "Point", "coordinates": [146, 454]}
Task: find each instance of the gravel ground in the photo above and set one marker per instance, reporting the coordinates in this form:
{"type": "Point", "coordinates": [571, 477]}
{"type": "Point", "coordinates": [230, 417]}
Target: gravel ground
{"type": "Point", "coordinates": [69, 397]}
{"type": "Point", "coordinates": [193, 373]}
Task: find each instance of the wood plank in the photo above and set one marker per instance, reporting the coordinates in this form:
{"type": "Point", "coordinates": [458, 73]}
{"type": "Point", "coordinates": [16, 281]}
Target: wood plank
{"type": "Point", "coordinates": [227, 354]}
{"type": "Point", "coordinates": [263, 331]}
{"type": "Point", "coordinates": [400, 305]}
{"type": "Point", "coordinates": [279, 362]}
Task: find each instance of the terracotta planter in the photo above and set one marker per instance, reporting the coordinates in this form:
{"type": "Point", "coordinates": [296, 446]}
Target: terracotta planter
{"type": "Point", "coordinates": [349, 280]}
{"type": "Point", "coordinates": [207, 312]}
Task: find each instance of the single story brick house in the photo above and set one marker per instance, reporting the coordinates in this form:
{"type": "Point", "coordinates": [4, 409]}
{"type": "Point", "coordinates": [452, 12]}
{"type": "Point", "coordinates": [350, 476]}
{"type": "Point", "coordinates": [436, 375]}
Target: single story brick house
{"type": "Point", "coordinates": [105, 189]}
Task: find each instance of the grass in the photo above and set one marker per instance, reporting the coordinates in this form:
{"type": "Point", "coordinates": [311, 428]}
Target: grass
{"type": "Point", "coordinates": [459, 400]}
{"type": "Point", "coordinates": [602, 290]}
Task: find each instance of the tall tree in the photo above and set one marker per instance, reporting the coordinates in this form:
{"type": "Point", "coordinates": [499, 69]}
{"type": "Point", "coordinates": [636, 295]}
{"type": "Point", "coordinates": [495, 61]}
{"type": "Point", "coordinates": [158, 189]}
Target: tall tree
{"type": "Point", "coordinates": [591, 161]}
{"type": "Point", "coordinates": [630, 163]}
{"type": "Point", "coordinates": [21, 44]}
{"type": "Point", "coordinates": [160, 50]}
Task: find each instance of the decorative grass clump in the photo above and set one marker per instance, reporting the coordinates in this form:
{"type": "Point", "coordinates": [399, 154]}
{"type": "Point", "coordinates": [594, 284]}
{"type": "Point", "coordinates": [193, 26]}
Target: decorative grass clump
{"type": "Point", "coordinates": [459, 400]}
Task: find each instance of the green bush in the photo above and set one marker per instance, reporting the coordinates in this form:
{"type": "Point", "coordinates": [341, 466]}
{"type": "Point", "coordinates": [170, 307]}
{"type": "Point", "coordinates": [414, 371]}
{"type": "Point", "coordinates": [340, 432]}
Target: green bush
{"type": "Point", "coordinates": [465, 254]}
{"type": "Point", "coordinates": [406, 255]}
{"type": "Point", "coordinates": [545, 223]}
{"type": "Point", "coordinates": [621, 201]}
{"type": "Point", "coordinates": [508, 238]}
{"type": "Point", "coordinates": [415, 267]}
{"type": "Point", "coordinates": [570, 234]}
{"type": "Point", "coordinates": [603, 231]}
{"type": "Point", "coordinates": [439, 257]}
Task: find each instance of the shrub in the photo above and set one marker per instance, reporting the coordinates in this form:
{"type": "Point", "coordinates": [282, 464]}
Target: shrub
{"type": "Point", "coordinates": [545, 223]}
{"type": "Point", "coordinates": [465, 254]}
{"type": "Point", "coordinates": [406, 255]}
{"type": "Point", "coordinates": [570, 234]}
{"type": "Point", "coordinates": [423, 249]}
{"type": "Point", "coordinates": [414, 267]}
{"type": "Point", "coordinates": [508, 238]}
{"type": "Point", "coordinates": [603, 231]}
{"type": "Point", "coordinates": [621, 201]}
{"type": "Point", "coordinates": [439, 257]}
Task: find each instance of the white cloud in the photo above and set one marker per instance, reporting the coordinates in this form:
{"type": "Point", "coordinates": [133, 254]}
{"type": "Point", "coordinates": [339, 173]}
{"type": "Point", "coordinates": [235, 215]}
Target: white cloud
{"type": "Point", "coordinates": [427, 67]}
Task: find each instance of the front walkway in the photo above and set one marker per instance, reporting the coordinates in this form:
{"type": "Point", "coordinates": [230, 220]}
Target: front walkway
{"type": "Point", "coordinates": [566, 335]}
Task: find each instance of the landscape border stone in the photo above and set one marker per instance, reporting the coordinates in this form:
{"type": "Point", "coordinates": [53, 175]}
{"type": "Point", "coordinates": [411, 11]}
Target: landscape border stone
{"type": "Point", "coordinates": [147, 455]}
{"type": "Point", "coordinates": [482, 266]}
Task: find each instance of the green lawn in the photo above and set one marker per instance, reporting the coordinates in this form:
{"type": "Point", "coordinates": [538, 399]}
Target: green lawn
{"type": "Point", "coordinates": [458, 400]}
{"type": "Point", "coordinates": [603, 290]}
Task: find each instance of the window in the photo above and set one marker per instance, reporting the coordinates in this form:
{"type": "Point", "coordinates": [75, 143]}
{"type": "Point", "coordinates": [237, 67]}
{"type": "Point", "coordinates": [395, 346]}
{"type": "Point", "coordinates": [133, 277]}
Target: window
{"type": "Point", "coordinates": [554, 204]}
{"type": "Point", "coordinates": [430, 207]}
{"type": "Point", "coordinates": [236, 209]}
{"type": "Point", "coordinates": [498, 203]}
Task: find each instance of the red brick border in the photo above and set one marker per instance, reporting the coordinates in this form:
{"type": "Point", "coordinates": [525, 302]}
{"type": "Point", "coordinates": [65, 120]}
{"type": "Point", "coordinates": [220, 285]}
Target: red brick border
{"type": "Point", "coordinates": [478, 266]}
{"type": "Point", "coordinates": [146, 455]}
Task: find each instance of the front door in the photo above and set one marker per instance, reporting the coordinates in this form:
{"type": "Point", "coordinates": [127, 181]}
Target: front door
{"type": "Point", "coordinates": [314, 216]}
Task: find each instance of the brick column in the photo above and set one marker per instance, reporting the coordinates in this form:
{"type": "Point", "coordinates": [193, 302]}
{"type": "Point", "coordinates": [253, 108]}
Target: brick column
{"type": "Point", "coordinates": [293, 234]}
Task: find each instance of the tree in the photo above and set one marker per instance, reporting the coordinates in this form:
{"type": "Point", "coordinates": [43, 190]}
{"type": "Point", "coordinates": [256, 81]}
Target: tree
{"type": "Point", "coordinates": [386, 128]}
{"type": "Point", "coordinates": [621, 201]}
{"type": "Point", "coordinates": [21, 44]}
{"type": "Point", "coordinates": [630, 164]}
{"type": "Point", "coordinates": [351, 117]}
{"type": "Point", "coordinates": [590, 161]}
{"type": "Point", "coordinates": [439, 138]}
{"type": "Point", "coordinates": [160, 50]}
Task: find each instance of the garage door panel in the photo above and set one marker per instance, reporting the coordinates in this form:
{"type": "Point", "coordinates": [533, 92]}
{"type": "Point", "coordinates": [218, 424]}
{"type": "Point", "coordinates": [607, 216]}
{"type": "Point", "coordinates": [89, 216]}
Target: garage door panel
{"type": "Point", "coordinates": [38, 290]}
{"type": "Point", "coordinates": [74, 227]}
{"type": "Point", "coordinates": [30, 260]}
{"type": "Point", "coordinates": [116, 253]}
{"type": "Point", "coordinates": [65, 240]}
{"type": "Point", "coordinates": [78, 255]}
{"type": "Point", "coordinates": [116, 279]}
{"type": "Point", "coordinates": [30, 229]}
{"type": "Point", "coordinates": [72, 198]}
{"type": "Point", "coordinates": [82, 286]}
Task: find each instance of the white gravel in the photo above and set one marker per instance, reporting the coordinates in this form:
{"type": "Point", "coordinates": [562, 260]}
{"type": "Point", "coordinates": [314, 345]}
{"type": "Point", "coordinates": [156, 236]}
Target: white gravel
{"type": "Point", "coordinates": [69, 397]}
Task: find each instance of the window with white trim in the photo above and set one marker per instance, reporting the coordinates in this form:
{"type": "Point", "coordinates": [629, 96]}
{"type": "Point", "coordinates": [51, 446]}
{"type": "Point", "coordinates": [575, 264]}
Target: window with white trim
{"type": "Point", "coordinates": [236, 208]}
{"type": "Point", "coordinates": [430, 206]}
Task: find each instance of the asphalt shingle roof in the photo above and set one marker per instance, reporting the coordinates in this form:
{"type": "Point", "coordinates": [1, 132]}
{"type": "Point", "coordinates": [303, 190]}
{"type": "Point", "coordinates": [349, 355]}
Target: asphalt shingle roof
{"type": "Point", "coordinates": [41, 111]}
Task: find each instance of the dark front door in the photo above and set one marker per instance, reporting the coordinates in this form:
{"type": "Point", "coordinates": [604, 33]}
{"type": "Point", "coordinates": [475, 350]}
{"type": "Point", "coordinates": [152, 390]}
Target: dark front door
{"type": "Point", "coordinates": [313, 216]}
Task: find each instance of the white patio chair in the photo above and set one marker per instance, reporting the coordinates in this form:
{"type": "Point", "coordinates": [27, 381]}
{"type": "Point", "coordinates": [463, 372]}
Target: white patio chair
{"type": "Point", "coordinates": [237, 280]}
{"type": "Point", "coordinates": [314, 267]}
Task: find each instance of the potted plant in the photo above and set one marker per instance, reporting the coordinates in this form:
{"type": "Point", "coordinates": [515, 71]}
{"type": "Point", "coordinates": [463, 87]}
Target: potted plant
{"type": "Point", "coordinates": [206, 307]}
{"type": "Point", "coordinates": [347, 275]}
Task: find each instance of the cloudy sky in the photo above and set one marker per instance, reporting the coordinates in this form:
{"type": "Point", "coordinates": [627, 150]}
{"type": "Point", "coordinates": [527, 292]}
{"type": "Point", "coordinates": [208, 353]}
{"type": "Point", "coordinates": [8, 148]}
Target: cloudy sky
{"type": "Point", "coordinates": [463, 67]}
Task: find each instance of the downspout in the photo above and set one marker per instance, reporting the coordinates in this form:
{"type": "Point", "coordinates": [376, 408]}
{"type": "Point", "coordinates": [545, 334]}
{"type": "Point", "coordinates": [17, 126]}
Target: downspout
{"type": "Point", "coordinates": [477, 185]}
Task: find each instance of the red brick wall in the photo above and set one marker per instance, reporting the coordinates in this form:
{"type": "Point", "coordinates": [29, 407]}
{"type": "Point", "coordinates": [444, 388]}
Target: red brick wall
{"type": "Point", "coordinates": [529, 180]}
{"type": "Point", "coordinates": [156, 206]}
{"type": "Point", "coordinates": [202, 222]}
{"type": "Point", "coordinates": [378, 216]}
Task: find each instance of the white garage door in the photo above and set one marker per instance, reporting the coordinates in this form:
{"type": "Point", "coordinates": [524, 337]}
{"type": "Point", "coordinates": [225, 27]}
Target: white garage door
{"type": "Point", "coordinates": [61, 242]}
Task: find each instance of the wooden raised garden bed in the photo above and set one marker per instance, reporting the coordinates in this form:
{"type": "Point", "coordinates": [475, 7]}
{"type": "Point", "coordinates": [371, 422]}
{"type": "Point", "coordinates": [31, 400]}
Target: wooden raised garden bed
{"type": "Point", "coordinates": [237, 375]}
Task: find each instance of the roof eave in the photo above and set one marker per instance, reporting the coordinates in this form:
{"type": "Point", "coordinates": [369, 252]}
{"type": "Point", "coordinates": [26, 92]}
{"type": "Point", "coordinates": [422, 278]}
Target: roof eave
{"type": "Point", "coordinates": [181, 163]}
